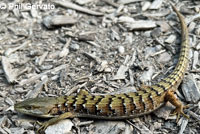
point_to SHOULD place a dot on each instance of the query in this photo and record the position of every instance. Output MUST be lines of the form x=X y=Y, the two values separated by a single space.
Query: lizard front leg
x=55 y=120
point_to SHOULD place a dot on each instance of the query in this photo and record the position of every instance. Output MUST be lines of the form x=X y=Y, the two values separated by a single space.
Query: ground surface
x=118 y=47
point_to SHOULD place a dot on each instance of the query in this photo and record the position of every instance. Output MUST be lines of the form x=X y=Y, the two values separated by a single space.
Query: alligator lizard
x=117 y=106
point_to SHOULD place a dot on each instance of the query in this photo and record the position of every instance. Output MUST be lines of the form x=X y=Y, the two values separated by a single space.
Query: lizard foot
x=179 y=111
x=177 y=103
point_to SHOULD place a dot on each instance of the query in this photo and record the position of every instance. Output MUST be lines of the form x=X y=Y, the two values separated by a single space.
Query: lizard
x=115 y=106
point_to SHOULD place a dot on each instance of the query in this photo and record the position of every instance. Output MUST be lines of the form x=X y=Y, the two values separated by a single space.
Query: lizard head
x=40 y=107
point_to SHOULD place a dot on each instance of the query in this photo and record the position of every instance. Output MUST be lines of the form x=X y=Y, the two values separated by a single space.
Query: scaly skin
x=118 y=106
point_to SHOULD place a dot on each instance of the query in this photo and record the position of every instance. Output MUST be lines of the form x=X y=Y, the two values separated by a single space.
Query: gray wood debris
x=10 y=73
x=83 y=2
x=192 y=18
x=125 y=19
x=141 y=25
x=11 y=50
x=156 y=4
x=38 y=88
x=124 y=67
x=109 y=127
x=65 y=49
x=195 y=60
x=197 y=31
x=58 y=20
x=128 y=1
x=121 y=72
x=41 y=58
x=157 y=14
x=68 y=4
x=190 y=89
x=36 y=77
x=183 y=126
x=191 y=26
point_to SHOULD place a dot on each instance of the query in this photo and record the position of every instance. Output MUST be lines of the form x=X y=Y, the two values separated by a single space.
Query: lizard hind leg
x=177 y=103
x=54 y=120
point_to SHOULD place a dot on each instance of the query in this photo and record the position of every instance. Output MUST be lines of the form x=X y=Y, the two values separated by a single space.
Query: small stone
x=17 y=130
x=62 y=127
x=34 y=13
x=198 y=47
x=74 y=47
x=147 y=75
x=157 y=125
x=164 y=57
x=197 y=31
x=121 y=49
x=164 y=112
x=164 y=26
x=26 y=125
x=108 y=70
x=170 y=39
x=93 y=22
x=128 y=38
x=146 y=5
x=196 y=9
x=156 y=32
x=149 y=51
x=158 y=47
x=191 y=26
x=168 y=125
x=147 y=34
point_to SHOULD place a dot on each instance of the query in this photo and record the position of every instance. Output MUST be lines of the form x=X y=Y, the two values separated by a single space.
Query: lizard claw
x=43 y=127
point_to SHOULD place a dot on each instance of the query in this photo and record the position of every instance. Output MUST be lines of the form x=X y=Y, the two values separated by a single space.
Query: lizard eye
x=28 y=107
